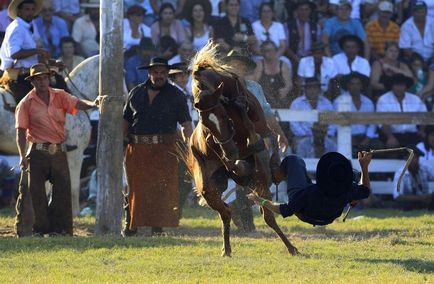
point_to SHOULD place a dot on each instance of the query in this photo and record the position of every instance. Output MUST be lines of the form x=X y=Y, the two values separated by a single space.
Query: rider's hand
x=364 y=159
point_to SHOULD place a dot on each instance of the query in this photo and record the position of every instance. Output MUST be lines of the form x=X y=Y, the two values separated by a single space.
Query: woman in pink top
x=167 y=25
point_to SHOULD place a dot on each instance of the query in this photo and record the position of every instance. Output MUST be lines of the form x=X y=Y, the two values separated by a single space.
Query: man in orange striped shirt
x=381 y=30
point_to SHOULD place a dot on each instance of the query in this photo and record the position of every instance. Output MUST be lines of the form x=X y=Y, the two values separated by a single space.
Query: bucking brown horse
x=228 y=140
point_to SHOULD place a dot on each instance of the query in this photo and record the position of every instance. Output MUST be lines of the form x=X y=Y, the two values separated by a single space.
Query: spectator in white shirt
x=427 y=145
x=85 y=30
x=349 y=60
x=134 y=29
x=417 y=33
x=399 y=100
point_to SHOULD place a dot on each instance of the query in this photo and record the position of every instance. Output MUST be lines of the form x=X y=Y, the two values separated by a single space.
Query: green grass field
x=373 y=246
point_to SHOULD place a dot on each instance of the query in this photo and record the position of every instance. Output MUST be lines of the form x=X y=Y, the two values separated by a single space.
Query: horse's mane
x=209 y=58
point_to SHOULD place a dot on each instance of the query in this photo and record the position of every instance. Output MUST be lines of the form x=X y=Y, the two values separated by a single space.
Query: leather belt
x=149 y=139
x=49 y=147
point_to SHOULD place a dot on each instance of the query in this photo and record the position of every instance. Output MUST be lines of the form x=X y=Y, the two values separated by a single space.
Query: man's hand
x=364 y=159
x=24 y=164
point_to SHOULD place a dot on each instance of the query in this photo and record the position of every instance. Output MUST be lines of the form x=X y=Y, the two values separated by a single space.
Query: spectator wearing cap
x=168 y=25
x=340 y=25
x=417 y=33
x=151 y=14
x=312 y=99
x=85 y=30
x=145 y=51
x=303 y=31
x=318 y=65
x=134 y=29
x=381 y=30
x=51 y=29
x=267 y=29
x=349 y=61
x=69 y=10
x=364 y=136
x=414 y=188
x=386 y=67
x=427 y=145
x=399 y=100
x=68 y=55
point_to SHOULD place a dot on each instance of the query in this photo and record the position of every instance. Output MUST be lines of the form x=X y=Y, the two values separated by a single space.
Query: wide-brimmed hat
x=38 y=69
x=352 y=37
x=347 y=78
x=156 y=61
x=241 y=56
x=334 y=174
x=180 y=67
x=398 y=79
x=12 y=8
x=311 y=4
x=91 y=4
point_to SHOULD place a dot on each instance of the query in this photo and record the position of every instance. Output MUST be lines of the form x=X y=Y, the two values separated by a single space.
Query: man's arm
x=275 y=207
x=85 y=104
x=364 y=160
x=187 y=130
x=24 y=53
x=21 y=143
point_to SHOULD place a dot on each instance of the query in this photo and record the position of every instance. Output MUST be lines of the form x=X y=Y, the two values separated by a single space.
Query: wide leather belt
x=49 y=147
x=150 y=139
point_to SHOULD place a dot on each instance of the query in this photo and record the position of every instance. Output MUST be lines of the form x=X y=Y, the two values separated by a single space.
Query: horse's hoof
x=293 y=250
x=226 y=254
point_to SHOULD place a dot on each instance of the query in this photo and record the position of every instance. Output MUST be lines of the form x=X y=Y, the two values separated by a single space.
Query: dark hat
x=38 y=69
x=299 y=3
x=13 y=6
x=318 y=45
x=419 y=5
x=398 y=79
x=347 y=78
x=241 y=56
x=334 y=174
x=349 y=37
x=310 y=81
x=146 y=43
x=136 y=9
x=179 y=67
x=156 y=61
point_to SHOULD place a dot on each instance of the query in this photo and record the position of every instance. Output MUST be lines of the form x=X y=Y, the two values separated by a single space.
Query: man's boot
x=126 y=231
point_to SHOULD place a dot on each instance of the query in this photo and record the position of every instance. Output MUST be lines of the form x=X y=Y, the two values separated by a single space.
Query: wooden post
x=110 y=137
x=344 y=131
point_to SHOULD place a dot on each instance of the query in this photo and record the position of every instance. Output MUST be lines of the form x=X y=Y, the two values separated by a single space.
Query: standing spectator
x=312 y=99
x=69 y=10
x=167 y=25
x=381 y=30
x=198 y=15
x=134 y=29
x=233 y=30
x=151 y=114
x=303 y=31
x=68 y=56
x=167 y=48
x=417 y=33
x=40 y=121
x=267 y=29
x=349 y=61
x=427 y=145
x=51 y=29
x=384 y=68
x=85 y=29
x=363 y=136
x=19 y=49
x=399 y=100
x=337 y=27
x=318 y=65
x=274 y=76
x=145 y=51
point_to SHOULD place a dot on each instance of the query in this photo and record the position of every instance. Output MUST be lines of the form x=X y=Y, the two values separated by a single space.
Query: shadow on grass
x=413 y=265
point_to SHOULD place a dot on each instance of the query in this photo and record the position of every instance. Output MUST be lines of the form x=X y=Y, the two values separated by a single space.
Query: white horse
x=83 y=82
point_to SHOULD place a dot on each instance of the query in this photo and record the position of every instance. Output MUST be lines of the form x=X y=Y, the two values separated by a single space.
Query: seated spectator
x=68 y=55
x=363 y=136
x=51 y=29
x=349 y=61
x=427 y=145
x=85 y=30
x=385 y=68
x=417 y=33
x=370 y=10
x=168 y=48
x=250 y=9
x=337 y=27
x=185 y=53
x=303 y=31
x=381 y=30
x=399 y=100
x=233 y=30
x=134 y=29
x=274 y=76
x=418 y=73
x=151 y=14
x=310 y=100
x=316 y=145
x=426 y=93
x=145 y=51
x=267 y=29
x=318 y=65
x=355 y=7
x=414 y=189
x=198 y=13
x=167 y=25
x=69 y=10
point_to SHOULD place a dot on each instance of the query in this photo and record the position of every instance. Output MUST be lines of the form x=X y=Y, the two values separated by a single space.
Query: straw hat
x=38 y=69
x=12 y=8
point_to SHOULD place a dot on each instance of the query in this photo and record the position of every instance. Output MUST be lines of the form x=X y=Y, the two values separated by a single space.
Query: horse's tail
x=184 y=154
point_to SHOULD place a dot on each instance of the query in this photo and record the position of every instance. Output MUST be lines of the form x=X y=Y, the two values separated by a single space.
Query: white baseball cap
x=385 y=6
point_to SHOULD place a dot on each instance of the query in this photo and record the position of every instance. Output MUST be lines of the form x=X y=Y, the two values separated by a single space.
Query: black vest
x=294 y=36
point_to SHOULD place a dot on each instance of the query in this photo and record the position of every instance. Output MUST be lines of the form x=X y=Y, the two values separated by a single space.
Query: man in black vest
x=323 y=202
